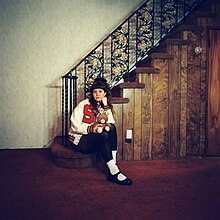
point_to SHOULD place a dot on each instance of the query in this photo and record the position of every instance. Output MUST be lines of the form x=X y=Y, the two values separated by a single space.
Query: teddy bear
x=102 y=118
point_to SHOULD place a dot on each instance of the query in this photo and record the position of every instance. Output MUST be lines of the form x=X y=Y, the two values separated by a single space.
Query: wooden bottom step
x=67 y=158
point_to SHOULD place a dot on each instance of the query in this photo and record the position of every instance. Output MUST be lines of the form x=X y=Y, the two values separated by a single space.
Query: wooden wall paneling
x=193 y=95
x=160 y=110
x=174 y=102
x=203 y=93
x=183 y=101
x=214 y=94
x=128 y=123
x=118 y=123
x=146 y=119
x=137 y=140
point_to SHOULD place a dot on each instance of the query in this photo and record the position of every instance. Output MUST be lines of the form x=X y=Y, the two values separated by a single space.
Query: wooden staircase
x=167 y=94
x=163 y=101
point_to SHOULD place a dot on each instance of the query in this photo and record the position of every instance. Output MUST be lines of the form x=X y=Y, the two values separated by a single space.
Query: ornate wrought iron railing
x=118 y=53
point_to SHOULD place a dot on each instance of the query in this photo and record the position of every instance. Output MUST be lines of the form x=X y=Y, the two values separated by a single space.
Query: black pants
x=104 y=143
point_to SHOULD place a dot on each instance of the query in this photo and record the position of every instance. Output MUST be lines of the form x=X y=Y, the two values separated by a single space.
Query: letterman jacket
x=82 y=118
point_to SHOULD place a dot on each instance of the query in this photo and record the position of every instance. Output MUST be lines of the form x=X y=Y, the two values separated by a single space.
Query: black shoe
x=114 y=179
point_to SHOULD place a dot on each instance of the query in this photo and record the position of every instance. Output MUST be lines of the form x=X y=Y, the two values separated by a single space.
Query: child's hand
x=95 y=126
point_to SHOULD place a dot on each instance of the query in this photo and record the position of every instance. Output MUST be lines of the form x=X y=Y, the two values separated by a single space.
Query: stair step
x=213 y=26
x=119 y=100
x=202 y=21
x=210 y=6
x=177 y=41
x=147 y=61
x=190 y=27
x=117 y=92
x=186 y=27
x=205 y=14
x=67 y=158
x=146 y=70
x=131 y=85
x=162 y=56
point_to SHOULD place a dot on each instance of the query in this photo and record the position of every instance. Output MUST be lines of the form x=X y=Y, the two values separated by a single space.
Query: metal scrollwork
x=169 y=16
x=93 y=66
x=144 y=29
x=131 y=41
x=120 y=57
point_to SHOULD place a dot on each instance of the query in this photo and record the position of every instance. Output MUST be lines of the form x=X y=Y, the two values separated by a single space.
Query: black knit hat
x=99 y=83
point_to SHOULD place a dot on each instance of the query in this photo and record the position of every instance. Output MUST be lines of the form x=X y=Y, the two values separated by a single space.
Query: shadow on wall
x=52 y=112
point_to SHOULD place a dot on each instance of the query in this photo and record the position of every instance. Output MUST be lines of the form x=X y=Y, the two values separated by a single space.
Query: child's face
x=98 y=94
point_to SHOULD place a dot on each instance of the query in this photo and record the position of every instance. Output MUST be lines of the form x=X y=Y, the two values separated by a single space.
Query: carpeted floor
x=33 y=188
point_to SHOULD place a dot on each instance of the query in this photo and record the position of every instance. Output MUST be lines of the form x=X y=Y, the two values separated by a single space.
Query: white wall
x=39 y=42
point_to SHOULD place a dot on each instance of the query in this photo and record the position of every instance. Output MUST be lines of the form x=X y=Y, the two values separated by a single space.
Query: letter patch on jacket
x=88 y=116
